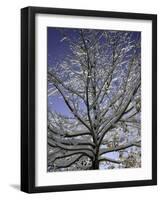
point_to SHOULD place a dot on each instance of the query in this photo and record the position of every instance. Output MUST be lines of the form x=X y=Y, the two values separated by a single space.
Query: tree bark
x=96 y=161
x=96 y=164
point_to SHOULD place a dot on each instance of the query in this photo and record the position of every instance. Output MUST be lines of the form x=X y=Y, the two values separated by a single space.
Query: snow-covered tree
x=99 y=81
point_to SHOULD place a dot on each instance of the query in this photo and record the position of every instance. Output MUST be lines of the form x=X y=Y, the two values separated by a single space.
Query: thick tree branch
x=69 y=134
x=54 y=157
x=87 y=88
x=68 y=163
x=121 y=147
x=71 y=147
x=105 y=159
x=71 y=141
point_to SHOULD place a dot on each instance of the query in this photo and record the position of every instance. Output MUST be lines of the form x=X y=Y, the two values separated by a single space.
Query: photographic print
x=93 y=100
x=88 y=99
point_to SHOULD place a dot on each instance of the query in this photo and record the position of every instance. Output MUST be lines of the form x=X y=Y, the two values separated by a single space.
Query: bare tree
x=99 y=80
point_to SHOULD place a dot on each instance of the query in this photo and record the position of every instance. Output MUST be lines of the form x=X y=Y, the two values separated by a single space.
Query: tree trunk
x=95 y=164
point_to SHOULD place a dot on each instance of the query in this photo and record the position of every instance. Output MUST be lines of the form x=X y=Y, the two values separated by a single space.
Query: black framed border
x=28 y=98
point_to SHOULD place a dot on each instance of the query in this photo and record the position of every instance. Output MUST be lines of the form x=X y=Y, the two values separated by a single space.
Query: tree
x=99 y=81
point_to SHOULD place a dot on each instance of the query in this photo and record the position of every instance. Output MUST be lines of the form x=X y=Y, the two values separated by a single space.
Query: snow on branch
x=121 y=147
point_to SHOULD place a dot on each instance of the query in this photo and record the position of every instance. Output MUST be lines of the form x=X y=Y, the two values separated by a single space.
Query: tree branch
x=119 y=113
x=72 y=110
x=70 y=134
x=109 y=160
x=54 y=157
x=121 y=147
x=51 y=75
x=68 y=163
x=71 y=141
x=88 y=149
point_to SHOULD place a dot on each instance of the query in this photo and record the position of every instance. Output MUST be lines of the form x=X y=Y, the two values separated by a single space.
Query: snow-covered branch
x=118 y=148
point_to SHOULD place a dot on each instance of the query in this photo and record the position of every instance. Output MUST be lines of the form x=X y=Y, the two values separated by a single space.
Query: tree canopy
x=99 y=82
